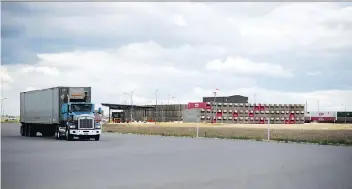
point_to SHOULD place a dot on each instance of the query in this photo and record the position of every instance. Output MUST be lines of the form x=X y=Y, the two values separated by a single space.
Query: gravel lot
x=130 y=161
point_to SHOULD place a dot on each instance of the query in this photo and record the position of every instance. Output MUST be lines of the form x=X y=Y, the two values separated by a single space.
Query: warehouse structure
x=227 y=109
x=160 y=112
x=123 y=112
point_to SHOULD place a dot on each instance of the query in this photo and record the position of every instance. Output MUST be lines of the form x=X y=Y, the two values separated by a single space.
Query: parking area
x=132 y=161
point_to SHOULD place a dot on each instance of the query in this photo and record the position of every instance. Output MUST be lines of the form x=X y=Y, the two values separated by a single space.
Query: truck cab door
x=64 y=111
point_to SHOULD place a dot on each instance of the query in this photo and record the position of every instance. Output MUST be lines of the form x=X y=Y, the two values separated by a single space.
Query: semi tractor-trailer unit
x=63 y=112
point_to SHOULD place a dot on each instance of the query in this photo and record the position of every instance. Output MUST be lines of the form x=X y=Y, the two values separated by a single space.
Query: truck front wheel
x=97 y=137
x=69 y=137
x=57 y=134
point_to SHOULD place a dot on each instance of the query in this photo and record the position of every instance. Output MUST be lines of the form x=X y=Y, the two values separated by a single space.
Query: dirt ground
x=310 y=132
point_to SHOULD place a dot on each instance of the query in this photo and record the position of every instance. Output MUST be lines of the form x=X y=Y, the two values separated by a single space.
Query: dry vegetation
x=316 y=133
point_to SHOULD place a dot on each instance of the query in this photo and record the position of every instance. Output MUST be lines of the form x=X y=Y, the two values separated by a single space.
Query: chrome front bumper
x=83 y=132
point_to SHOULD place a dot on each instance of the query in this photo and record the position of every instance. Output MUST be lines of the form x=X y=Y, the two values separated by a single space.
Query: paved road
x=127 y=161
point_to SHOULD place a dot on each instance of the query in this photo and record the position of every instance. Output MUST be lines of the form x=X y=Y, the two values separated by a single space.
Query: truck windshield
x=81 y=107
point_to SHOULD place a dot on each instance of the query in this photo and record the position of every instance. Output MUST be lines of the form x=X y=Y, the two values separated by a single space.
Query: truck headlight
x=97 y=125
x=72 y=126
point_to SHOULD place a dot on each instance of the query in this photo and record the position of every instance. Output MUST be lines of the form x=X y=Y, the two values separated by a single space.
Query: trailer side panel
x=40 y=106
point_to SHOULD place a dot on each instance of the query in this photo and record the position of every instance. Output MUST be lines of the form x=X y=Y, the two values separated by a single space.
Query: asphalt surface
x=131 y=161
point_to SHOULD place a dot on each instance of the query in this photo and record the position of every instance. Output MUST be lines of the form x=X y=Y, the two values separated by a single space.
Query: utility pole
x=156 y=104
x=179 y=109
x=131 y=109
x=345 y=113
x=131 y=105
x=2 y=113
x=255 y=98
x=214 y=112
x=168 y=99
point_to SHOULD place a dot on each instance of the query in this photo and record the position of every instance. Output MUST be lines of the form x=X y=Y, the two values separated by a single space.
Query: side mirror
x=99 y=110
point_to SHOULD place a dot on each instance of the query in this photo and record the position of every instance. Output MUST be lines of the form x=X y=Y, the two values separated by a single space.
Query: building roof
x=125 y=106
x=226 y=96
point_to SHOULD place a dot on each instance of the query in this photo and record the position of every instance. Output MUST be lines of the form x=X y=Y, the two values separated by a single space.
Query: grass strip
x=322 y=137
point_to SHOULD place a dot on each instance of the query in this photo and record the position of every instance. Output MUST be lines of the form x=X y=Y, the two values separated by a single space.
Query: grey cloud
x=212 y=31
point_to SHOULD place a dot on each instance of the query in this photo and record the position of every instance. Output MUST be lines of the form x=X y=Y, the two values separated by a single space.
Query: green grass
x=321 y=137
x=9 y=121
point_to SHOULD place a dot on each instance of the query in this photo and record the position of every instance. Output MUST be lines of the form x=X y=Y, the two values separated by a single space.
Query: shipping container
x=44 y=106
x=322 y=114
x=323 y=119
x=344 y=114
x=344 y=120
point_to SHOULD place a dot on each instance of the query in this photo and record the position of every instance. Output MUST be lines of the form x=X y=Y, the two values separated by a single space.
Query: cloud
x=186 y=49
x=327 y=100
x=239 y=65
x=314 y=73
x=5 y=77
x=52 y=71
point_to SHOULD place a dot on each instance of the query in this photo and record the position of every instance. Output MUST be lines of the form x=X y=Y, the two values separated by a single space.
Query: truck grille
x=86 y=124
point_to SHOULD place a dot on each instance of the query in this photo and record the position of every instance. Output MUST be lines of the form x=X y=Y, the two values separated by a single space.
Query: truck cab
x=79 y=121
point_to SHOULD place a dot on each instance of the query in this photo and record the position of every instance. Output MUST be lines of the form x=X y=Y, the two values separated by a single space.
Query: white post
x=268 y=129
x=198 y=127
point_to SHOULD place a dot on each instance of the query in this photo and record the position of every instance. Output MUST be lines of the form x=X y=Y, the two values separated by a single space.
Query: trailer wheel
x=26 y=129
x=32 y=131
x=22 y=130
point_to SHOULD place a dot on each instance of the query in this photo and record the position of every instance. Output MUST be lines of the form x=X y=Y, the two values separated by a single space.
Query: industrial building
x=227 y=99
x=160 y=113
x=246 y=113
x=229 y=109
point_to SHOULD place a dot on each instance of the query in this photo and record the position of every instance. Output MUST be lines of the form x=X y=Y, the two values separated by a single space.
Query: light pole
x=214 y=110
x=255 y=98
x=168 y=99
x=2 y=113
x=179 y=109
x=156 y=104
x=131 y=96
x=345 y=112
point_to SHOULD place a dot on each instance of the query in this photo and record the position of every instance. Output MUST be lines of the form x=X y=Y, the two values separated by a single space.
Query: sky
x=271 y=52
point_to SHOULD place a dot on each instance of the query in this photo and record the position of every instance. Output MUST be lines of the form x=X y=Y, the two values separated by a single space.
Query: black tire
x=26 y=130
x=69 y=137
x=97 y=137
x=32 y=131
x=22 y=130
x=57 y=137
